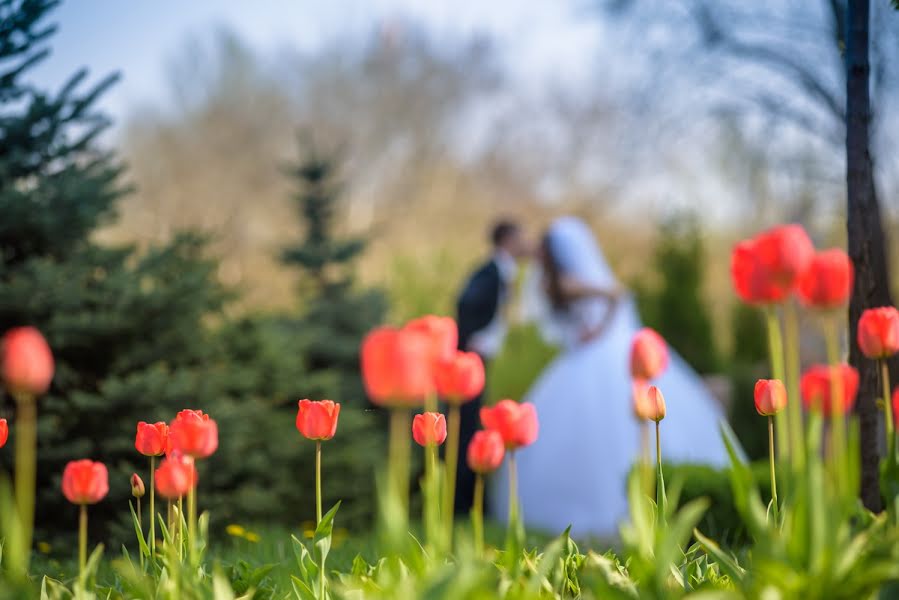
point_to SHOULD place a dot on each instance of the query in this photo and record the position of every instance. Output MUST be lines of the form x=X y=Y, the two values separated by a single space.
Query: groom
x=482 y=329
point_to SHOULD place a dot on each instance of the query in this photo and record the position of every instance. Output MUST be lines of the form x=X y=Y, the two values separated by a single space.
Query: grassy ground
x=249 y=547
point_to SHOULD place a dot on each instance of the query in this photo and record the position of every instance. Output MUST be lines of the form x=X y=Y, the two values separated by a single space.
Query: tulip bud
x=649 y=355
x=429 y=429
x=175 y=476
x=878 y=332
x=485 y=451
x=4 y=432
x=461 y=378
x=151 y=438
x=827 y=283
x=26 y=361
x=767 y=268
x=770 y=396
x=85 y=482
x=137 y=486
x=194 y=434
x=817 y=386
x=655 y=404
x=515 y=422
x=396 y=366
x=442 y=334
x=317 y=420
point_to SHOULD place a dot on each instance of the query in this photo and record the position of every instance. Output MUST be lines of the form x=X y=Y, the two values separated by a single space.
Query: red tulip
x=649 y=354
x=151 y=438
x=485 y=451
x=175 y=477
x=4 y=432
x=770 y=396
x=137 y=486
x=461 y=378
x=655 y=404
x=878 y=332
x=396 y=366
x=827 y=282
x=429 y=429
x=643 y=409
x=515 y=422
x=194 y=434
x=816 y=387
x=442 y=333
x=766 y=268
x=85 y=481
x=896 y=405
x=317 y=420
x=26 y=360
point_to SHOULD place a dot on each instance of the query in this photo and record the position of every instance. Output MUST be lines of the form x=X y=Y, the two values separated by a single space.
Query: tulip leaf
x=142 y=542
x=727 y=564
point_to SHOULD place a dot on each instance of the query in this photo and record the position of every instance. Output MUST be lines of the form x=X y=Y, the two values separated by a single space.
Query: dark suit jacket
x=479 y=301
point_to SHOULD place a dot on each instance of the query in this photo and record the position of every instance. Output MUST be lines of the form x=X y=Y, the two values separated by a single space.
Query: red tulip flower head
x=461 y=378
x=654 y=404
x=151 y=438
x=485 y=451
x=827 y=282
x=770 y=396
x=816 y=388
x=515 y=422
x=194 y=434
x=4 y=432
x=442 y=334
x=317 y=420
x=26 y=361
x=137 y=486
x=397 y=367
x=649 y=354
x=645 y=408
x=429 y=429
x=175 y=477
x=85 y=482
x=767 y=268
x=896 y=404
x=878 y=332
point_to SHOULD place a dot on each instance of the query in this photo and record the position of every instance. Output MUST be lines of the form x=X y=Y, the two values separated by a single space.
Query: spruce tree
x=126 y=328
x=336 y=314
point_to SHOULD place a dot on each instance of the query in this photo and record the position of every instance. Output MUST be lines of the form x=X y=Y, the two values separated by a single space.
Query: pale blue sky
x=547 y=37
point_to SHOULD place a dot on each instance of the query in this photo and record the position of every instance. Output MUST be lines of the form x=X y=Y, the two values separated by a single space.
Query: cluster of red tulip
x=768 y=271
x=410 y=367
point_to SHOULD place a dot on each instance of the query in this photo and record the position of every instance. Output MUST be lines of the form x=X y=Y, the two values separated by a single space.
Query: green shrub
x=721 y=521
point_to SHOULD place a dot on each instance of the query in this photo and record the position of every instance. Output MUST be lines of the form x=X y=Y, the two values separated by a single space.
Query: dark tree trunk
x=866 y=239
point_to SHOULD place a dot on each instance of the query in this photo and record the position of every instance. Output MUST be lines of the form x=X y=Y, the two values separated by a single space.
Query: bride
x=575 y=473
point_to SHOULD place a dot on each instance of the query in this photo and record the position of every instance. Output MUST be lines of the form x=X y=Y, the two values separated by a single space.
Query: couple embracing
x=575 y=473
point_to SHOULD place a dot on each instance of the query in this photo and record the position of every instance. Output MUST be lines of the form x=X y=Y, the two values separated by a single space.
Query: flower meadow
x=811 y=538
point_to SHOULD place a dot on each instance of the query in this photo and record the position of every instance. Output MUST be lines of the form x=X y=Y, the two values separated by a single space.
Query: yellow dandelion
x=235 y=530
x=44 y=547
x=252 y=537
x=308 y=533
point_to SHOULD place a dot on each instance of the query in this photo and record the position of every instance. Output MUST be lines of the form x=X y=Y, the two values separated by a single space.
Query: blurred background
x=208 y=204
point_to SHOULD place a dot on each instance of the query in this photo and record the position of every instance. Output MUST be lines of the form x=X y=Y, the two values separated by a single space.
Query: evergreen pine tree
x=335 y=313
x=126 y=328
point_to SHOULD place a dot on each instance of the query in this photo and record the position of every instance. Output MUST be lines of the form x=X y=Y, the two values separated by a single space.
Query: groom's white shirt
x=489 y=341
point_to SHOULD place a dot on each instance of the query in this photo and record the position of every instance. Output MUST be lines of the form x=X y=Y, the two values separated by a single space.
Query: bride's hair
x=552 y=274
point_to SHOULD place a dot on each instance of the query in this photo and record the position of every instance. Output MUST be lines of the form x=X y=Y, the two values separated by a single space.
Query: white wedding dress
x=575 y=473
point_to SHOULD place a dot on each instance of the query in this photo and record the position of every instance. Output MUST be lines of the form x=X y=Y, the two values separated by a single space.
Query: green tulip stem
x=794 y=410
x=82 y=539
x=25 y=477
x=776 y=356
x=452 y=461
x=318 y=482
x=888 y=407
x=774 y=506
x=152 y=506
x=477 y=515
